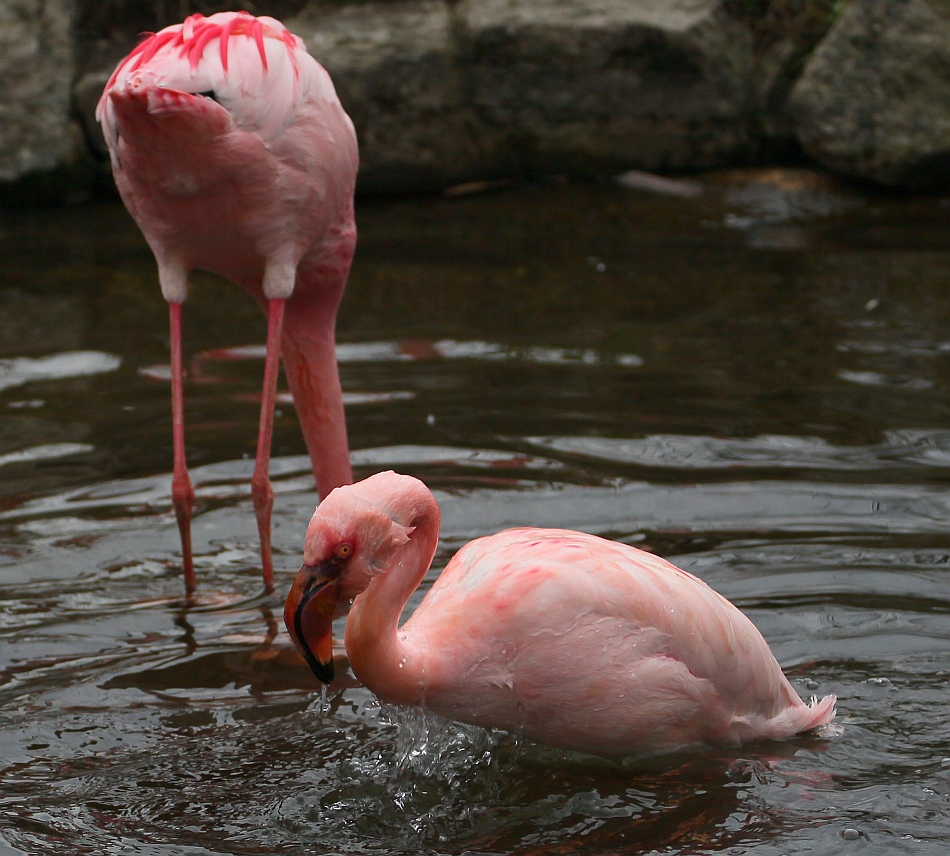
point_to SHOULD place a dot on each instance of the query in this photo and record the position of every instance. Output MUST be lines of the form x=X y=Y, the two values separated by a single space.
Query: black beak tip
x=323 y=672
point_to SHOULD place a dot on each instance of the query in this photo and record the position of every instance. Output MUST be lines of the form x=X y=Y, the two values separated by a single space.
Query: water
x=754 y=383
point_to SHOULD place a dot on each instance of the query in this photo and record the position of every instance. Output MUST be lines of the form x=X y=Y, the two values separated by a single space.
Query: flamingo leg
x=262 y=491
x=183 y=494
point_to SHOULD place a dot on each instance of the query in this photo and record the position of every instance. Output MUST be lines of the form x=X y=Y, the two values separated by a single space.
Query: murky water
x=754 y=383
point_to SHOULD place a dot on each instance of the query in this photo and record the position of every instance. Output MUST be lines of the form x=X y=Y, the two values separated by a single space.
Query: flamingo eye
x=344 y=550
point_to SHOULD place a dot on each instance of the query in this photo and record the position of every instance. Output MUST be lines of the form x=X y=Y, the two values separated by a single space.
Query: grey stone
x=874 y=99
x=395 y=69
x=444 y=93
x=609 y=83
x=86 y=94
x=37 y=132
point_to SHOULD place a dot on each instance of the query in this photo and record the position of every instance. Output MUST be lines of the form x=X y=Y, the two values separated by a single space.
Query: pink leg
x=183 y=495
x=261 y=489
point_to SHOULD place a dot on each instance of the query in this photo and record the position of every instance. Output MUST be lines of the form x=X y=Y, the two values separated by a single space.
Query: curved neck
x=381 y=657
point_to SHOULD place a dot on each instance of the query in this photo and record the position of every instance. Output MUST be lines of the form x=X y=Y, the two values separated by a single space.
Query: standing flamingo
x=567 y=638
x=233 y=154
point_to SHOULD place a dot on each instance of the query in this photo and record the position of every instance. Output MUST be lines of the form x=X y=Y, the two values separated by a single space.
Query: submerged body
x=233 y=154
x=567 y=638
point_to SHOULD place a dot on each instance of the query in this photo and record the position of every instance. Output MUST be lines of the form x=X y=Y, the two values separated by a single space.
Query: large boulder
x=395 y=69
x=37 y=132
x=443 y=92
x=874 y=99
x=609 y=83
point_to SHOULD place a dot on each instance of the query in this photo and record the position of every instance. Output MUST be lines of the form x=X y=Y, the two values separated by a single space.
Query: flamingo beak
x=308 y=615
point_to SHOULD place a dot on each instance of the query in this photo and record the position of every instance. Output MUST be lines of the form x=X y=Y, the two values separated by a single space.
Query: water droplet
x=850 y=834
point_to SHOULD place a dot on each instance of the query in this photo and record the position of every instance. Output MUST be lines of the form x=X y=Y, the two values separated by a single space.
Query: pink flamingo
x=567 y=638
x=233 y=154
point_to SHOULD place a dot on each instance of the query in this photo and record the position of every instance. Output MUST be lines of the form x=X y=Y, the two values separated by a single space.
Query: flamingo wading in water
x=233 y=154
x=570 y=639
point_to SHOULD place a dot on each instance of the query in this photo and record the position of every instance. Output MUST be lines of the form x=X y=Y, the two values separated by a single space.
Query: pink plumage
x=232 y=152
x=570 y=639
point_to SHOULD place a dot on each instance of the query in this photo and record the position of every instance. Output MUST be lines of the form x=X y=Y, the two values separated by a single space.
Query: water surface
x=752 y=382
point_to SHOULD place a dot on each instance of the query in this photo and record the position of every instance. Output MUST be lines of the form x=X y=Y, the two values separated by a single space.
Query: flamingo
x=233 y=154
x=572 y=640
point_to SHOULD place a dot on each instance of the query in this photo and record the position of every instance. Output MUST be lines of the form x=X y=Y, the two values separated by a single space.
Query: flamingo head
x=352 y=538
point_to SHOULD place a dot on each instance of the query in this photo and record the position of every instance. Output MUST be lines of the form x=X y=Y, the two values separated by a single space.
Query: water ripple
x=23 y=370
x=898 y=449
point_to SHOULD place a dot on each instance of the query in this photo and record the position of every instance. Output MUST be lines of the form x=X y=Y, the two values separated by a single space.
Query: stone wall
x=446 y=91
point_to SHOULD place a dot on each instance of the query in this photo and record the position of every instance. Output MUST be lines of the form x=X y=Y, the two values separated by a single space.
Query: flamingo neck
x=385 y=659
x=309 y=353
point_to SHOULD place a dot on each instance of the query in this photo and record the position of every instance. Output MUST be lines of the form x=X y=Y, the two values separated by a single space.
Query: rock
x=86 y=94
x=874 y=99
x=37 y=132
x=446 y=93
x=395 y=69
x=599 y=85
x=784 y=33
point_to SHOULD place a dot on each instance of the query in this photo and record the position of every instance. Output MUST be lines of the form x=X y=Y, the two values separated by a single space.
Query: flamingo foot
x=183 y=497
x=262 y=492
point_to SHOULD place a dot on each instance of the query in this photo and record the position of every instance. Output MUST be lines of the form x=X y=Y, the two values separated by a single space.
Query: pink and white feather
x=255 y=67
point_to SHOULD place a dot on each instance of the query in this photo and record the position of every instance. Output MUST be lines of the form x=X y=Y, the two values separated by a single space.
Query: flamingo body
x=233 y=154
x=567 y=638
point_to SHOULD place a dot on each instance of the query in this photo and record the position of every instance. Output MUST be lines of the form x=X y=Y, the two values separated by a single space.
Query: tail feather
x=822 y=712
x=801 y=718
